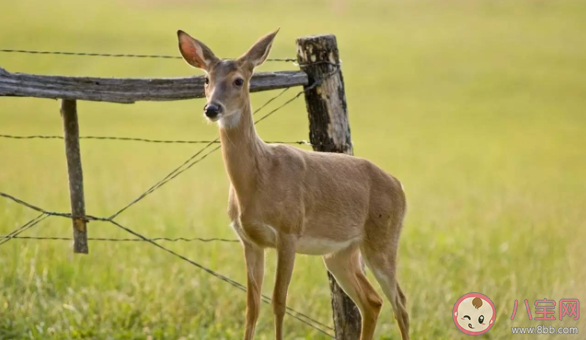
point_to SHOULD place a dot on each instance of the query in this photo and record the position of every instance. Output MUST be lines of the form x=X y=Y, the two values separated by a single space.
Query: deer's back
x=324 y=192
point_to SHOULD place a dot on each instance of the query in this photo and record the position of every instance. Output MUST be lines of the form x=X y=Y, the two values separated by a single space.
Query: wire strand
x=117 y=55
x=14 y=234
x=105 y=239
x=46 y=214
x=50 y=213
x=186 y=165
x=145 y=140
x=291 y=312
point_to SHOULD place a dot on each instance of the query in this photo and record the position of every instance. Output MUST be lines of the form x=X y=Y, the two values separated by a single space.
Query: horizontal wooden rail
x=129 y=90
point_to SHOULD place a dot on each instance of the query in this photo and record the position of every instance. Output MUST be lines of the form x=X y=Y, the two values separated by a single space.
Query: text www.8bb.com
x=544 y=330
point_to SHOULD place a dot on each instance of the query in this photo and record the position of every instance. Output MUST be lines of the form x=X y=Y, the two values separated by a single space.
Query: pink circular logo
x=474 y=314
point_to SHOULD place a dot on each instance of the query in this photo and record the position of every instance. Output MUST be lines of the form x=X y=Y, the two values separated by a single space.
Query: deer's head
x=227 y=80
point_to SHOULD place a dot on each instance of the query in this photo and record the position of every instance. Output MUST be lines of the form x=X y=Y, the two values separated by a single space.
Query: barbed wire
x=306 y=89
x=137 y=139
x=190 y=162
x=111 y=239
x=50 y=213
x=284 y=104
x=187 y=165
x=117 y=55
x=27 y=225
x=45 y=213
x=172 y=175
x=271 y=100
x=290 y=311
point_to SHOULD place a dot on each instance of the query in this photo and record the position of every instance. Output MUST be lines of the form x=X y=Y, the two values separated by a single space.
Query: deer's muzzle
x=212 y=110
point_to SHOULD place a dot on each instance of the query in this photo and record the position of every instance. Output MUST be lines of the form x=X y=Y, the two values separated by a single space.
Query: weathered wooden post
x=72 y=153
x=329 y=131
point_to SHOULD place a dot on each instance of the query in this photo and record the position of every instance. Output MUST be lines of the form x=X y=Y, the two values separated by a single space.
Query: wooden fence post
x=329 y=131
x=72 y=152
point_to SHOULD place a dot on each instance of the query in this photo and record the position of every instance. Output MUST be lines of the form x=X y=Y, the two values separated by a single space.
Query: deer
x=287 y=198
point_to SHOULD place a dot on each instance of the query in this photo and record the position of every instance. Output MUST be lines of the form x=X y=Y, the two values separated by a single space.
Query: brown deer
x=289 y=199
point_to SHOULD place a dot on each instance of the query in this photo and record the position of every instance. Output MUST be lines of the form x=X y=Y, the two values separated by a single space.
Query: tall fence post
x=329 y=131
x=72 y=153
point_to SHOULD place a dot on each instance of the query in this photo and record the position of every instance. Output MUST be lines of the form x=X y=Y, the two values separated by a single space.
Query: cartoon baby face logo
x=474 y=314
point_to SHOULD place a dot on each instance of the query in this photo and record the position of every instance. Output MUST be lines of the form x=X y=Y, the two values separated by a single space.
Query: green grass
x=477 y=106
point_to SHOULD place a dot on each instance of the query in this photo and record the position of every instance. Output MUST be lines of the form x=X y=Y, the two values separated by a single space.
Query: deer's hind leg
x=346 y=268
x=383 y=263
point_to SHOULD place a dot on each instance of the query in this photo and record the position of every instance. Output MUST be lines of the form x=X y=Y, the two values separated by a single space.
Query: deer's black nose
x=212 y=110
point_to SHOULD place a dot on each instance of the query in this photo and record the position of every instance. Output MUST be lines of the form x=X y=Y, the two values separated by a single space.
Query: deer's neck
x=244 y=153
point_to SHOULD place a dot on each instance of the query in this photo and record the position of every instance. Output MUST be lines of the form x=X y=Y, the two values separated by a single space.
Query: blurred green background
x=477 y=106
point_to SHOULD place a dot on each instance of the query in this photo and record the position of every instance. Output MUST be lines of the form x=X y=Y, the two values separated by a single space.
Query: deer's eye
x=238 y=81
x=207 y=81
x=481 y=319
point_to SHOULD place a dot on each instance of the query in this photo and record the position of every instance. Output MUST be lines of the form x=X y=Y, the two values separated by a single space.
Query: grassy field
x=479 y=107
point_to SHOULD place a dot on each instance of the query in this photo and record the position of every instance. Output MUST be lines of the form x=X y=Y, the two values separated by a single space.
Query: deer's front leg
x=255 y=261
x=285 y=264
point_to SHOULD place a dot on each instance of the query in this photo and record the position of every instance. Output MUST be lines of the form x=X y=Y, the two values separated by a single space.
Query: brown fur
x=335 y=205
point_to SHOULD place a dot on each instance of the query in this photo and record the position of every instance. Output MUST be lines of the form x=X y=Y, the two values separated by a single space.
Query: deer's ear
x=195 y=53
x=259 y=52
